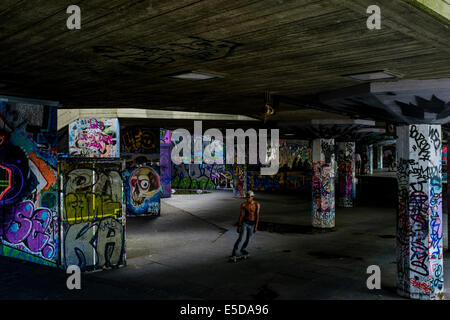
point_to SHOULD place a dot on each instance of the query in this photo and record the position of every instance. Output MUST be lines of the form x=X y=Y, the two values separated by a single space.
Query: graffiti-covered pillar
x=346 y=173
x=380 y=157
x=370 y=160
x=323 y=204
x=419 y=224
x=165 y=163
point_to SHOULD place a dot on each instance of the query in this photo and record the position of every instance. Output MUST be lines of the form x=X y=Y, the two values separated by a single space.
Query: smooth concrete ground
x=183 y=255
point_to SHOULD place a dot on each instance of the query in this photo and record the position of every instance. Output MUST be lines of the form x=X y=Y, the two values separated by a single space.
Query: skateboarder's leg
x=238 y=242
x=248 y=238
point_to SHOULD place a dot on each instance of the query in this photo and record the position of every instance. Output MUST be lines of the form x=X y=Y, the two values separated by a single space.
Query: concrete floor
x=183 y=255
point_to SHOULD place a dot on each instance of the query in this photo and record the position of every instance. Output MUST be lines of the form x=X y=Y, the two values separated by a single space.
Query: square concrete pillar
x=346 y=173
x=380 y=157
x=419 y=221
x=324 y=172
x=370 y=159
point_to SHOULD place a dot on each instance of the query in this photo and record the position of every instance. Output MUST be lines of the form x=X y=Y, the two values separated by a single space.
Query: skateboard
x=238 y=258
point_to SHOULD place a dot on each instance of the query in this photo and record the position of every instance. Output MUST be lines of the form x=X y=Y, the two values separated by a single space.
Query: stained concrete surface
x=183 y=255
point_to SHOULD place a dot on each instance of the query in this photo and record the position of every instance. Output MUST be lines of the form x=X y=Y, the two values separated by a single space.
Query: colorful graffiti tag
x=28 y=190
x=96 y=138
x=93 y=215
x=165 y=163
x=419 y=224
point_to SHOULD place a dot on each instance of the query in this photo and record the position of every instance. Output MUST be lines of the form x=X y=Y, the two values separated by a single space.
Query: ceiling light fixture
x=372 y=75
x=194 y=76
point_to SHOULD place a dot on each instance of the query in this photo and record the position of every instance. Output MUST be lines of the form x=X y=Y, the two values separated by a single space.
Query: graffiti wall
x=141 y=151
x=96 y=138
x=93 y=214
x=139 y=140
x=419 y=225
x=346 y=173
x=258 y=182
x=165 y=163
x=28 y=183
x=323 y=203
x=202 y=176
x=295 y=153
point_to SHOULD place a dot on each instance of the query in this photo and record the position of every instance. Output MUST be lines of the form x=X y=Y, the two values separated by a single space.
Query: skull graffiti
x=144 y=183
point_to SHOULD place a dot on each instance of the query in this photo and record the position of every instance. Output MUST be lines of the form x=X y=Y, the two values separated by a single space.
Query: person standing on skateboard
x=248 y=222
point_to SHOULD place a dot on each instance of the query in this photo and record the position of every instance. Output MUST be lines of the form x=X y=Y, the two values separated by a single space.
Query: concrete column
x=370 y=159
x=324 y=171
x=380 y=157
x=346 y=173
x=419 y=225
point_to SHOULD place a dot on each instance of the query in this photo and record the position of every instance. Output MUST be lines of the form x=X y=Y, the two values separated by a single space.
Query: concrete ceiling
x=293 y=48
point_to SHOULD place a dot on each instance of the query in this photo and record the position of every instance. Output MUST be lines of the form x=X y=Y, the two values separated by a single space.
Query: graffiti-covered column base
x=419 y=226
x=93 y=213
x=346 y=174
x=323 y=203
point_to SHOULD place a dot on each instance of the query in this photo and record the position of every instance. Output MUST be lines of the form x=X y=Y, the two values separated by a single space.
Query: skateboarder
x=248 y=223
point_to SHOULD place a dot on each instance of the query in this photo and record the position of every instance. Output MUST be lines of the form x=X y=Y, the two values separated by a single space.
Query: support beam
x=324 y=172
x=419 y=226
x=346 y=173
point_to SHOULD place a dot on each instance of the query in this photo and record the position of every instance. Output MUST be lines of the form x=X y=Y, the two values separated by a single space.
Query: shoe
x=244 y=252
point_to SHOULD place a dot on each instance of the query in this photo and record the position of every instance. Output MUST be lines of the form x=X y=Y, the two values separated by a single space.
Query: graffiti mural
x=294 y=153
x=28 y=189
x=165 y=163
x=419 y=224
x=202 y=176
x=93 y=215
x=292 y=180
x=140 y=140
x=142 y=186
x=323 y=205
x=258 y=182
x=239 y=180
x=96 y=138
x=346 y=173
